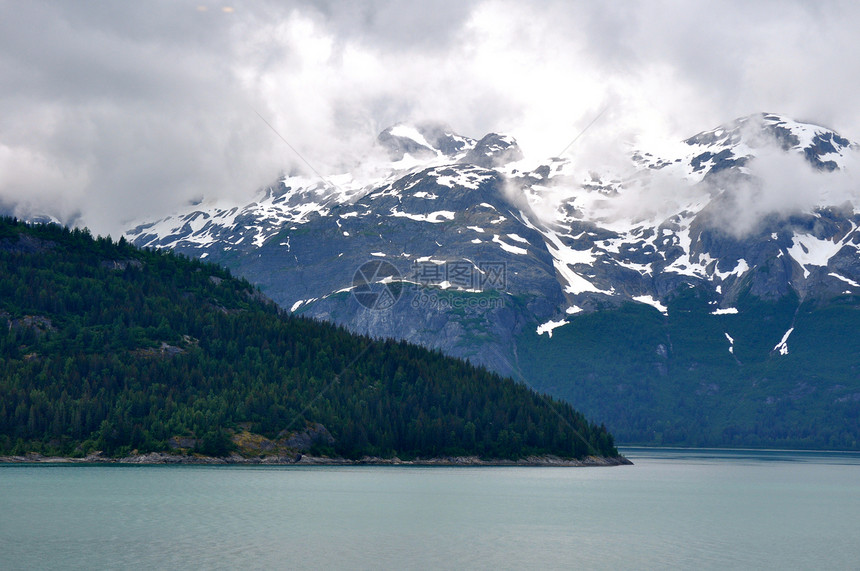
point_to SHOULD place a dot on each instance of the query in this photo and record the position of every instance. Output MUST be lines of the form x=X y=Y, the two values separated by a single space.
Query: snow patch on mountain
x=648 y=300
x=844 y=279
x=432 y=217
x=782 y=346
x=549 y=326
x=725 y=311
x=731 y=343
x=508 y=247
x=409 y=132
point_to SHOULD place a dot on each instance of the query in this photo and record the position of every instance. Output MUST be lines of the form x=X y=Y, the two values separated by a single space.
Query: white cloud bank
x=119 y=111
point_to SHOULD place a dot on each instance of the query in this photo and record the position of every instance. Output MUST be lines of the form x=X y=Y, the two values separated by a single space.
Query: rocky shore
x=155 y=458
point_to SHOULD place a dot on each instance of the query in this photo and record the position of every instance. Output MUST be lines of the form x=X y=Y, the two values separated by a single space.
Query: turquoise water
x=674 y=508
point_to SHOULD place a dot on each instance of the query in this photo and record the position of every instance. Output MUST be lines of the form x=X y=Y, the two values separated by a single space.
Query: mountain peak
x=432 y=140
x=493 y=150
x=822 y=146
x=423 y=141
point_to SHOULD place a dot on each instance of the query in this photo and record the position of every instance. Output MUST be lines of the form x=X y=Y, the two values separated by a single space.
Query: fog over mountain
x=117 y=112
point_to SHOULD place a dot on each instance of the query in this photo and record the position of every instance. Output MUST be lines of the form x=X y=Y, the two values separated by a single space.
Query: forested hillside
x=104 y=346
x=696 y=378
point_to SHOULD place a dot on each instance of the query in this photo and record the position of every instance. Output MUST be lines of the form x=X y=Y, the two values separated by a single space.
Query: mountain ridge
x=732 y=213
x=573 y=236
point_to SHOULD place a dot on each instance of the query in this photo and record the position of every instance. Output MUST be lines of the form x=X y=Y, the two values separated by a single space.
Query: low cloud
x=779 y=184
x=607 y=186
x=122 y=111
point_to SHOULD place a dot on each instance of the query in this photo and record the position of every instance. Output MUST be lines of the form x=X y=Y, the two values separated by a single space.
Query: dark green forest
x=672 y=381
x=106 y=347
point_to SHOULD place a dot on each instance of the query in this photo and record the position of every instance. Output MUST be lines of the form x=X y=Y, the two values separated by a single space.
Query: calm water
x=676 y=509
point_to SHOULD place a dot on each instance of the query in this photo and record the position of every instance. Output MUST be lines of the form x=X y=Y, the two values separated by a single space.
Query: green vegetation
x=107 y=347
x=672 y=381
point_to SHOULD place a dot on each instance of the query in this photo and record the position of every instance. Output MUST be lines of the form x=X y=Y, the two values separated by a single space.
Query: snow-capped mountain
x=497 y=255
x=602 y=241
x=610 y=244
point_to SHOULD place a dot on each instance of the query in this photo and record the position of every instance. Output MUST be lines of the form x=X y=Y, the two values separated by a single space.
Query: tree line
x=104 y=346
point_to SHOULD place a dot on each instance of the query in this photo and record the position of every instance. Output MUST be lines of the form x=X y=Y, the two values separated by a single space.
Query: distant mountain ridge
x=704 y=215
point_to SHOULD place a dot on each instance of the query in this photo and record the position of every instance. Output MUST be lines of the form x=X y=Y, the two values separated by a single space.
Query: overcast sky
x=112 y=112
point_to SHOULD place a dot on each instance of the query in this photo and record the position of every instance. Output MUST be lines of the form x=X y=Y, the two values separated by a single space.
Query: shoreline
x=162 y=458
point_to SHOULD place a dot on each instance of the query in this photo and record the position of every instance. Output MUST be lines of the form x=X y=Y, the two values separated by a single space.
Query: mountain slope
x=108 y=347
x=520 y=266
